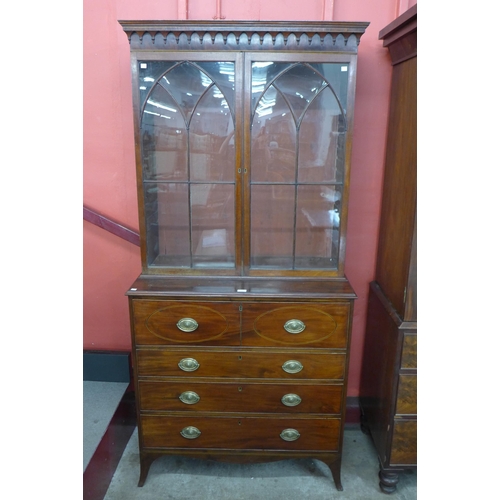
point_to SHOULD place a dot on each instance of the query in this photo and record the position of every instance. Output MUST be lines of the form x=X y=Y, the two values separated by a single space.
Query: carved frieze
x=225 y=35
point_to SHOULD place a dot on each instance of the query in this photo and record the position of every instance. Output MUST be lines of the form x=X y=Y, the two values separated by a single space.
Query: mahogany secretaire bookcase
x=241 y=317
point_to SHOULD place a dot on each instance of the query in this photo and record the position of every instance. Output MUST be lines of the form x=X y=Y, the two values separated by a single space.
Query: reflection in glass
x=272 y=226
x=297 y=164
x=262 y=74
x=321 y=139
x=318 y=222
x=299 y=85
x=164 y=138
x=222 y=73
x=149 y=72
x=212 y=207
x=167 y=219
x=187 y=132
x=211 y=139
x=273 y=140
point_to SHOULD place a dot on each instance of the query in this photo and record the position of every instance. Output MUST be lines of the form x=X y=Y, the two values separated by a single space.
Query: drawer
x=409 y=355
x=240 y=364
x=296 y=324
x=157 y=322
x=404 y=443
x=240 y=396
x=406 y=403
x=240 y=432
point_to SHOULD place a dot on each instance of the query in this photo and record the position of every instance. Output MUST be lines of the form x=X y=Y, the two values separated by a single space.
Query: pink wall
x=111 y=264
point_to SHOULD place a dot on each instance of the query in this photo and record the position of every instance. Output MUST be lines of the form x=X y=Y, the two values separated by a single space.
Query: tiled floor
x=109 y=477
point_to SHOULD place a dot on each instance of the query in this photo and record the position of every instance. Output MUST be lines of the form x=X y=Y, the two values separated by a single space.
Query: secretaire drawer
x=170 y=322
x=240 y=432
x=292 y=365
x=295 y=324
x=239 y=396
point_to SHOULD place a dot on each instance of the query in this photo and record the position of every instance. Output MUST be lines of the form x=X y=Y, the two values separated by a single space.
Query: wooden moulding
x=250 y=35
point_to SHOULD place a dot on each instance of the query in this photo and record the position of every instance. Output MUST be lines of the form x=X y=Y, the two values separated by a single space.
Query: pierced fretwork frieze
x=225 y=36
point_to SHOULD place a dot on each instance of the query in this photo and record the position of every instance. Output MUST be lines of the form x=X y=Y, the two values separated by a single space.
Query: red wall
x=111 y=264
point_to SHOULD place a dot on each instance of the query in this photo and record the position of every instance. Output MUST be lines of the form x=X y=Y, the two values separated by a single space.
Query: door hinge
x=241 y=308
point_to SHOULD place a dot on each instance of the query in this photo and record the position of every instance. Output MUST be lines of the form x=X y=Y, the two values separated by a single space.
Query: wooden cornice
x=400 y=36
x=244 y=35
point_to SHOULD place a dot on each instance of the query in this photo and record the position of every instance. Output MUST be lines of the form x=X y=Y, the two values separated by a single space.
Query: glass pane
x=186 y=83
x=318 y=220
x=167 y=224
x=149 y=72
x=272 y=222
x=164 y=138
x=264 y=73
x=337 y=75
x=273 y=140
x=223 y=75
x=213 y=225
x=321 y=140
x=211 y=139
x=299 y=85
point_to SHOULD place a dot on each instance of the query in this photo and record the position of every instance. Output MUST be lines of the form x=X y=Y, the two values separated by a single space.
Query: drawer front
x=191 y=396
x=240 y=432
x=407 y=395
x=158 y=322
x=404 y=443
x=409 y=355
x=318 y=325
x=239 y=364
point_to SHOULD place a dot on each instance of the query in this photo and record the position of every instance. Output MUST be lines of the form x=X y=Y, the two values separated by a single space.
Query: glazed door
x=189 y=130
x=296 y=146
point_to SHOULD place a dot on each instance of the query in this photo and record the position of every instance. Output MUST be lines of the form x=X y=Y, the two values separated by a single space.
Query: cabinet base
x=332 y=461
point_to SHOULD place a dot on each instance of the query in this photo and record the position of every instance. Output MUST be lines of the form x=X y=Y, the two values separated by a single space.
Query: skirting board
x=106 y=366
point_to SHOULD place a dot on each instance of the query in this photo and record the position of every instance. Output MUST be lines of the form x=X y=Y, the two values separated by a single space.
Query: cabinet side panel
x=399 y=192
x=378 y=378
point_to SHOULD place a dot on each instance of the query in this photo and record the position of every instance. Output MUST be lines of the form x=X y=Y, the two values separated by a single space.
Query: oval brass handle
x=292 y=366
x=294 y=326
x=291 y=400
x=188 y=364
x=289 y=435
x=187 y=325
x=190 y=432
x=189 y=397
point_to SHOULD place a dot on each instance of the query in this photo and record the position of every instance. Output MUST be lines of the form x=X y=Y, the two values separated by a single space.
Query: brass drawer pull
x=290 y=435
x=292 y=366
x=190 y=432
x=187 y=325
x=188 y=364
x=189 y=397
x=294 y=326
x=291 y=400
